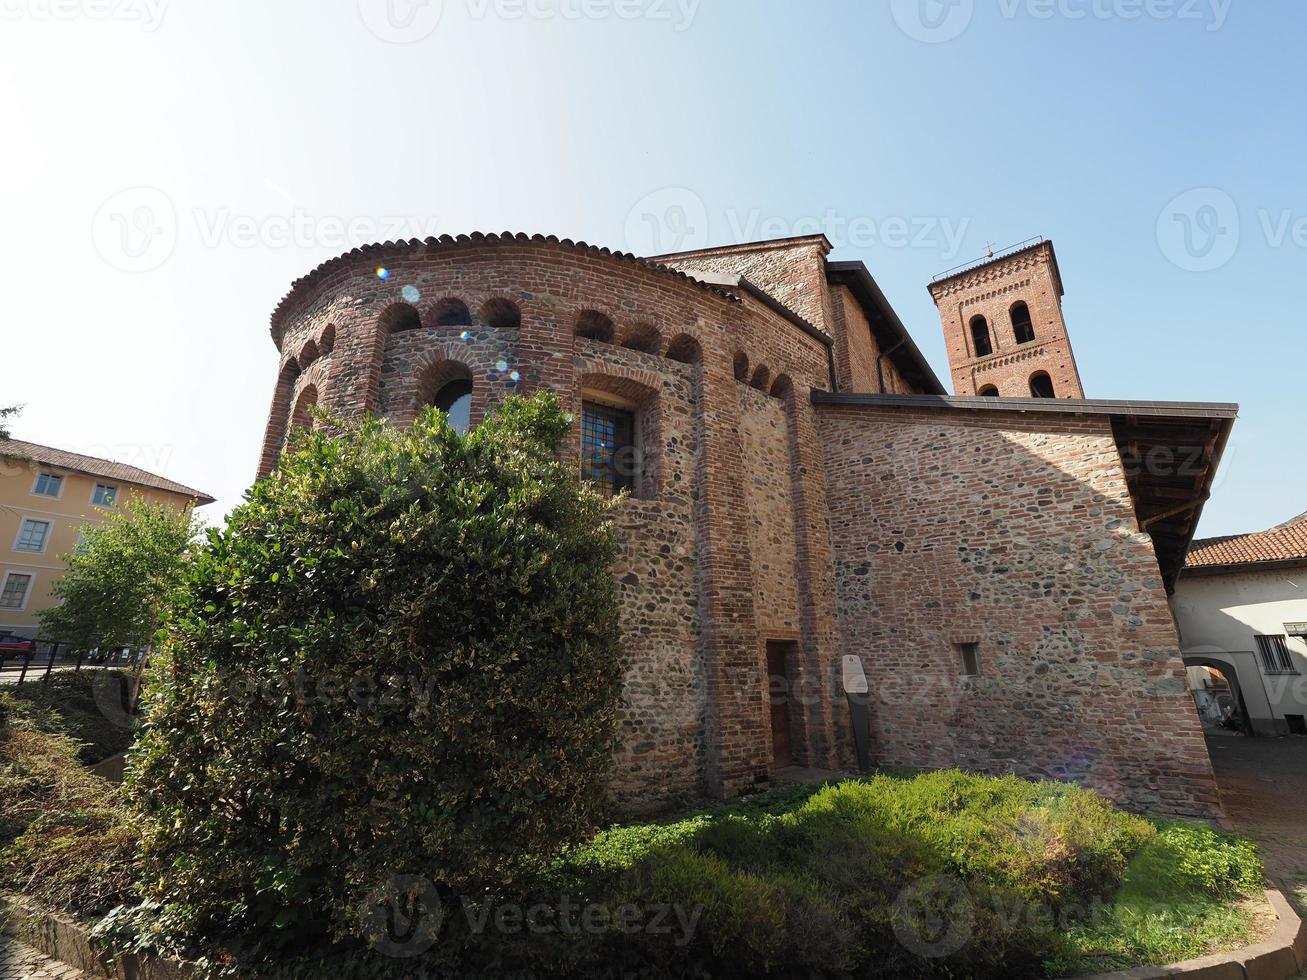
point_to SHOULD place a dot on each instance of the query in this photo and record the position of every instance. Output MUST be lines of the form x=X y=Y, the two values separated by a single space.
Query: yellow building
x=46 y=496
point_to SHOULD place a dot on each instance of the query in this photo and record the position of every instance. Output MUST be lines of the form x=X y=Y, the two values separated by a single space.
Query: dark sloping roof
x=891 y=335
x=378 y=252
x=1292 y=522
x=94 y=466
x=1286 y=543
x=1170 y=452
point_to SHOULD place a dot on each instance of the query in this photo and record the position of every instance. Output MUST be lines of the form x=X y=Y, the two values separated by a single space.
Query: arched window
x=455 y=400
x=989 y=391
x=451 y=312
x=400 y=316
x=308 y=354
x=685 y=349
x=1041 y=385
x=1022 y=328
x=742 y=367
x=980 y=336
x=761 y=377
x=643 y=337
x=327 y=342
x=301 y=417
x=593 y=325
x=502 y=314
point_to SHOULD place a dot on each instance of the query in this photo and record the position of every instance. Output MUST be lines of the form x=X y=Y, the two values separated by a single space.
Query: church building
x=798 y=488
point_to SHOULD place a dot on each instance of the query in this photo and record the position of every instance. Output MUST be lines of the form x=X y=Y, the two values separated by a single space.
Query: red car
x=13 y=646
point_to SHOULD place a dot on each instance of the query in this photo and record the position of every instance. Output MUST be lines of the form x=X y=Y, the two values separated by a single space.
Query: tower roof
x=998 y=258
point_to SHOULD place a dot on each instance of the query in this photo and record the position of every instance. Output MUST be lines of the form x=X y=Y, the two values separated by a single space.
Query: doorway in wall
x=780 y=655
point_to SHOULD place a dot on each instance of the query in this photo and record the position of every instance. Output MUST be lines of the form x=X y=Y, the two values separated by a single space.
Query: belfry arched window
x=980 y=336
x=1041 y=385
x=989 y=391
x=1022 y=327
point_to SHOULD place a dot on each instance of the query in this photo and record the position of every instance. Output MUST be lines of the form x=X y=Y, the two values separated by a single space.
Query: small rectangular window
x=105 y=495
x=1297 y=724
x=14 y=593
x=1275 y=655
x=33 y=535
x=969 y=659
x=48 y=485
x=608 y=454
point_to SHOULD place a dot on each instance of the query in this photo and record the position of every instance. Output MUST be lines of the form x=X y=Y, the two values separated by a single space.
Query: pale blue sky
x=258 y=139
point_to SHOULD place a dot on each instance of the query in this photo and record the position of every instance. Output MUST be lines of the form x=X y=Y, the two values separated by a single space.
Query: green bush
x=68 y=704
x=400 y=657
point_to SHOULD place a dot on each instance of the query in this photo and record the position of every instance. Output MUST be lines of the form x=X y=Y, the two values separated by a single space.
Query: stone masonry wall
x=953 y=527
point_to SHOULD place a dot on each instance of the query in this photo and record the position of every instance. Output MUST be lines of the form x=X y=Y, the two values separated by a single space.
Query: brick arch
x=327 y=340
x=741 y=366
x=308 y=354
x=685 y=348
x=274 y=435
x=782 y=387
x=448 y=312
x=398 y=317
x=501 y=313
x=761 y=378
x=641 y=336
x=592 y=324
x=301 y=415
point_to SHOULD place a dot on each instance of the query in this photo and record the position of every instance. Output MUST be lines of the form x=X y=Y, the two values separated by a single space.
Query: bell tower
x=1003 y=326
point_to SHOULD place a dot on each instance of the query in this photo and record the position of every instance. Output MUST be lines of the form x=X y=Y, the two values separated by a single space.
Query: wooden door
x=778 y=692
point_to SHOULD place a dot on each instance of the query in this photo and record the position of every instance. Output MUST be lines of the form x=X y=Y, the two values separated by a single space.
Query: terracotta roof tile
x=1288 y=542
x=94 y=466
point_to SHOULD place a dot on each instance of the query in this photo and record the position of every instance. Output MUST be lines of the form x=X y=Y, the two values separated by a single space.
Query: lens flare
x=465 y=335
x=382 y=272
x=515 y=377
x=501 y=365
x=410 y=294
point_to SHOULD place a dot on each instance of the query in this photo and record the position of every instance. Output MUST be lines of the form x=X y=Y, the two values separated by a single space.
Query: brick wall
x=954 y=527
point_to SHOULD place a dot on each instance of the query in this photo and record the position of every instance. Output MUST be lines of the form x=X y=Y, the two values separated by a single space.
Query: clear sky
x=170 y=166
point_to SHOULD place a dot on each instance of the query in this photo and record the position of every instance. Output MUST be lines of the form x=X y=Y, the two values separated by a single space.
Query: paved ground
x=1263 y=784
x=19 y=962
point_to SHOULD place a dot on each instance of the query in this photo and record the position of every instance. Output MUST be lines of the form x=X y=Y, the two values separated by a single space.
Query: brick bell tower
x=1003 y=325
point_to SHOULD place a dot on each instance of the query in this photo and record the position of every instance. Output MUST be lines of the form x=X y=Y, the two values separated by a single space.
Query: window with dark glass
x=980 y=336
x=455 y=400
x=48 y=485
x=608 y=454
x=1022 y=327
x=1275 y=655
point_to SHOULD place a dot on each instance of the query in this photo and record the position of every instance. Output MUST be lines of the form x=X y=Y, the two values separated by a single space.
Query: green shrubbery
x=400 y=657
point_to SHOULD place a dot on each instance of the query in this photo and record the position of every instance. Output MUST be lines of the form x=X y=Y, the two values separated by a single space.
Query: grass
x=65 y=837
x=67 y=703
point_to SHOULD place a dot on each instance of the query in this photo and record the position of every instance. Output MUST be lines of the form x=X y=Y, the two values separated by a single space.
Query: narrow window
x=980 y=336
x=989 y=391
x=455 y=400
x=1022 y=328
x=105 y=495
x=48 y=485
x=1041 y=385
x=1275 y=655
x=34 y=535
x=608 y=452
x=14 y=593
x=1297 y=724
x=969 y=659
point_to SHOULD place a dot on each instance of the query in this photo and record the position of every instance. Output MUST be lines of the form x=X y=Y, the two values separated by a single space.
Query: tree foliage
x=120 y=578
x=7 y=412
x=400 y=657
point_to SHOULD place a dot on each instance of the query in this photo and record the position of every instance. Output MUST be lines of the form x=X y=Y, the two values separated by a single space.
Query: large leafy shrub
x=400 y=657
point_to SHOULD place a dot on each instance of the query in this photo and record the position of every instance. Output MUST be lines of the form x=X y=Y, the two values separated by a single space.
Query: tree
x=6 y=413
x=120 y=579
x=399 y=658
